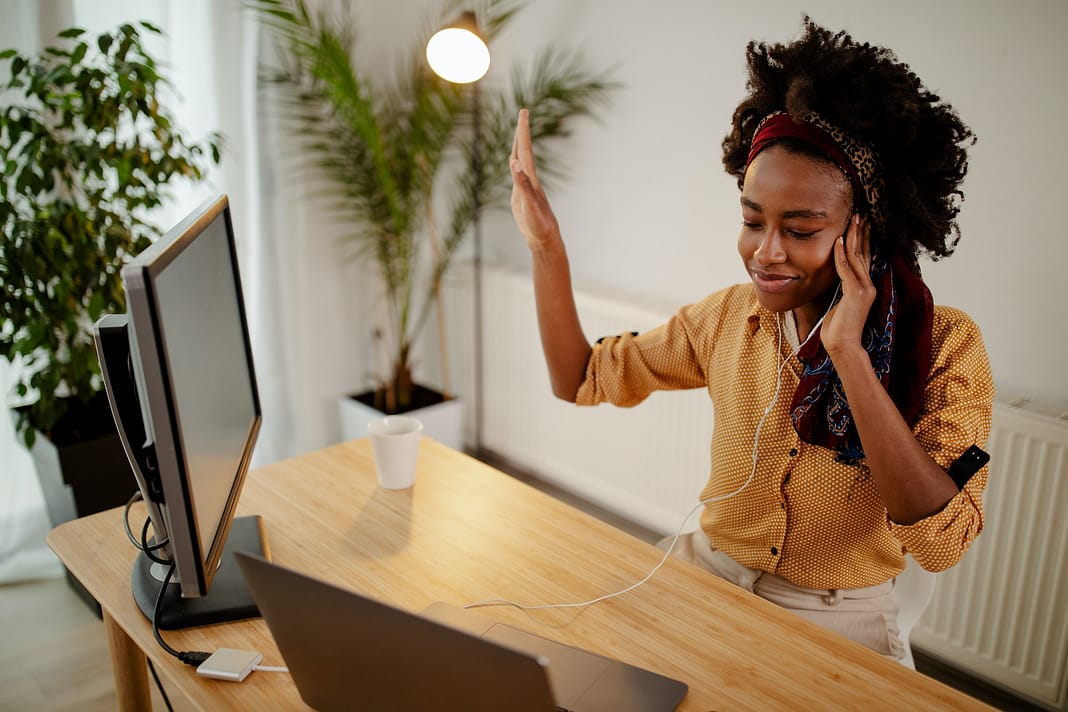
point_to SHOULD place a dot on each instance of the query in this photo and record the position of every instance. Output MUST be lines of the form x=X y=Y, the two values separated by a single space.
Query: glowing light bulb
x=458 y=55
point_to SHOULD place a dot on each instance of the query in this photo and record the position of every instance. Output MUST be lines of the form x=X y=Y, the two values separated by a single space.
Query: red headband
x=781 y=125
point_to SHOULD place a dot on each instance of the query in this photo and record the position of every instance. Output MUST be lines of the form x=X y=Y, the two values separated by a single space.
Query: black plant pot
x=422 y=397
x=83 y=469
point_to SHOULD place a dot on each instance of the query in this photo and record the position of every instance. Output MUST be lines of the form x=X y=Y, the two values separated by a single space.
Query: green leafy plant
x=86 y=151
x=382 y=147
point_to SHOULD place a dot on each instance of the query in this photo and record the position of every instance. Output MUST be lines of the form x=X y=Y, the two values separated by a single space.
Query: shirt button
x=774 y=551
x=793 y=452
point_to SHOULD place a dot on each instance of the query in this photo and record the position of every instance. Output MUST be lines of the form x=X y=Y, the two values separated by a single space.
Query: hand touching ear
x=844 y=325
x=530 y=207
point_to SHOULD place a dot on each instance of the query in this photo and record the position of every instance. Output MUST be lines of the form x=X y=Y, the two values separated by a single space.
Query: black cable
x=143 y=545
x=150 y=549
x=126 y=517
x=156 y=611
x=159 y=685
x=189 y=657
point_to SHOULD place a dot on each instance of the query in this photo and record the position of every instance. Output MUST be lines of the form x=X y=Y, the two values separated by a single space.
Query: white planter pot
x=442 y=421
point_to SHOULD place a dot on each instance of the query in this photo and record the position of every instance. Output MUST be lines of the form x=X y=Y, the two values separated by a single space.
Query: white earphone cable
x=702 y=503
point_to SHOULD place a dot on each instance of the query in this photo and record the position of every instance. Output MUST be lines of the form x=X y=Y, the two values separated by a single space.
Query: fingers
x=852 y=254
x=860 y=254
x=530 y=207
x=522 y=187
x=523 y=178
x=844 y=323
x=523 y=150
x=525 y=185
x=522 y=119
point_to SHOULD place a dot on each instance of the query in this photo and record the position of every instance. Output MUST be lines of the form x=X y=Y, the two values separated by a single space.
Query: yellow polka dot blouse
x=816 y=522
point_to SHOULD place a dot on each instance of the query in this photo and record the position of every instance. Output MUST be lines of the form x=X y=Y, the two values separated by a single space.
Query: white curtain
x=302 y=304
x=298 y=298
x=308 y=340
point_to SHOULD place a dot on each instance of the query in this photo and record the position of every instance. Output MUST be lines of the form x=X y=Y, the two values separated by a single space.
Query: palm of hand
x=530 y=206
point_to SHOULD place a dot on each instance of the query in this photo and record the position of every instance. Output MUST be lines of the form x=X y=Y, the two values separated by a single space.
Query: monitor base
x=227 y=600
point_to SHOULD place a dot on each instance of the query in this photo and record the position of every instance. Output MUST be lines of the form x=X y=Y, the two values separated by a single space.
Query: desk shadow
x=383 y=525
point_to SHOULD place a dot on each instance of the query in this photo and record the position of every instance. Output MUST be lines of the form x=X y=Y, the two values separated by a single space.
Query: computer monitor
x=178 y=372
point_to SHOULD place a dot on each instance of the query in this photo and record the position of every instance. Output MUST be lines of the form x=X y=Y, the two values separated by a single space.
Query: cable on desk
x=528 y=607
x=663 y=560
x=271 y=668
x=190 y=657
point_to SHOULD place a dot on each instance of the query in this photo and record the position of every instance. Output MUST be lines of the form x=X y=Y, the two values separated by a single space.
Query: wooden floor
x=54 y=655
x=53 y=652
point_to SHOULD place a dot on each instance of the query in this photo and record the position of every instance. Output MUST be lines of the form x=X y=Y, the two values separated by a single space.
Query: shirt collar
x=758 y=315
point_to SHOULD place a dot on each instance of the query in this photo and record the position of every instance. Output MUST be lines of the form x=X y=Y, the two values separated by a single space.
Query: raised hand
x=530 y=207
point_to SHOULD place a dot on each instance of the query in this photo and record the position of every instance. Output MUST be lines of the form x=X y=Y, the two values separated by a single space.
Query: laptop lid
x=345 y=651
x=580 y=680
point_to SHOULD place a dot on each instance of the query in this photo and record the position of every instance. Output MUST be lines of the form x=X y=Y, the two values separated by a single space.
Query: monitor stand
x=228 y=598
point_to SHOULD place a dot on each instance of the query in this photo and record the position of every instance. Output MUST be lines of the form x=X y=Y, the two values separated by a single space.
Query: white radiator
x=1001 y=614
x=647 y=464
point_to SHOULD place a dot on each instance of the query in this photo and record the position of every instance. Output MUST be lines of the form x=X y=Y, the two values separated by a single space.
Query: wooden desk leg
x=129 y=666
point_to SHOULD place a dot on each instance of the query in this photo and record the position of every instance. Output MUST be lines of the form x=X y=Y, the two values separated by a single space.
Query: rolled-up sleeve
x=624 y=370
x=957 y=414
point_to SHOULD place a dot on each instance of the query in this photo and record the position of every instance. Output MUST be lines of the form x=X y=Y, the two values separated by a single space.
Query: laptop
x=348 y=652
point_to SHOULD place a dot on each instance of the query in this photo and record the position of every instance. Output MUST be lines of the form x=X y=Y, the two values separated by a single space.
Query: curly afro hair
x=866 y=92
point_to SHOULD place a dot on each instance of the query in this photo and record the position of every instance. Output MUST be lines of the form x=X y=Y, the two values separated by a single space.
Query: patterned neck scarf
x=897 y=333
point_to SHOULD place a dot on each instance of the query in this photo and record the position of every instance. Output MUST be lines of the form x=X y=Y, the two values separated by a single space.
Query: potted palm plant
x=86 y=152
x=382 y=148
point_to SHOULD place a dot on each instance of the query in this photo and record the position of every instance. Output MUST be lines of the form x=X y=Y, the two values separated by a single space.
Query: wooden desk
x=465 y=533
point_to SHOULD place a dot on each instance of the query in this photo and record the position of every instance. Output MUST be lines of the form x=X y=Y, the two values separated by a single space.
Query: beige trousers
x=865 y=615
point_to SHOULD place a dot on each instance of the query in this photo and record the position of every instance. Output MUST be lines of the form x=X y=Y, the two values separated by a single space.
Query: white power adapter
x=229 y=664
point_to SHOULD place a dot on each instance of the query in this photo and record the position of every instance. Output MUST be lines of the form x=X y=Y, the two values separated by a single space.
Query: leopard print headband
x=857 y=160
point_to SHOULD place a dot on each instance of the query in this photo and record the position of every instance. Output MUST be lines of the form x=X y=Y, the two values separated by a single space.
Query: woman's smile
x=772 y=283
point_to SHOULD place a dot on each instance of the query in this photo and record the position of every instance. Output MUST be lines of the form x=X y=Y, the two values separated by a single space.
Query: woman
x=850 y=412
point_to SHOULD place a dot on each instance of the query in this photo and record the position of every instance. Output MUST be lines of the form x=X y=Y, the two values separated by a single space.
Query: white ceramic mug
x=395 y=442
